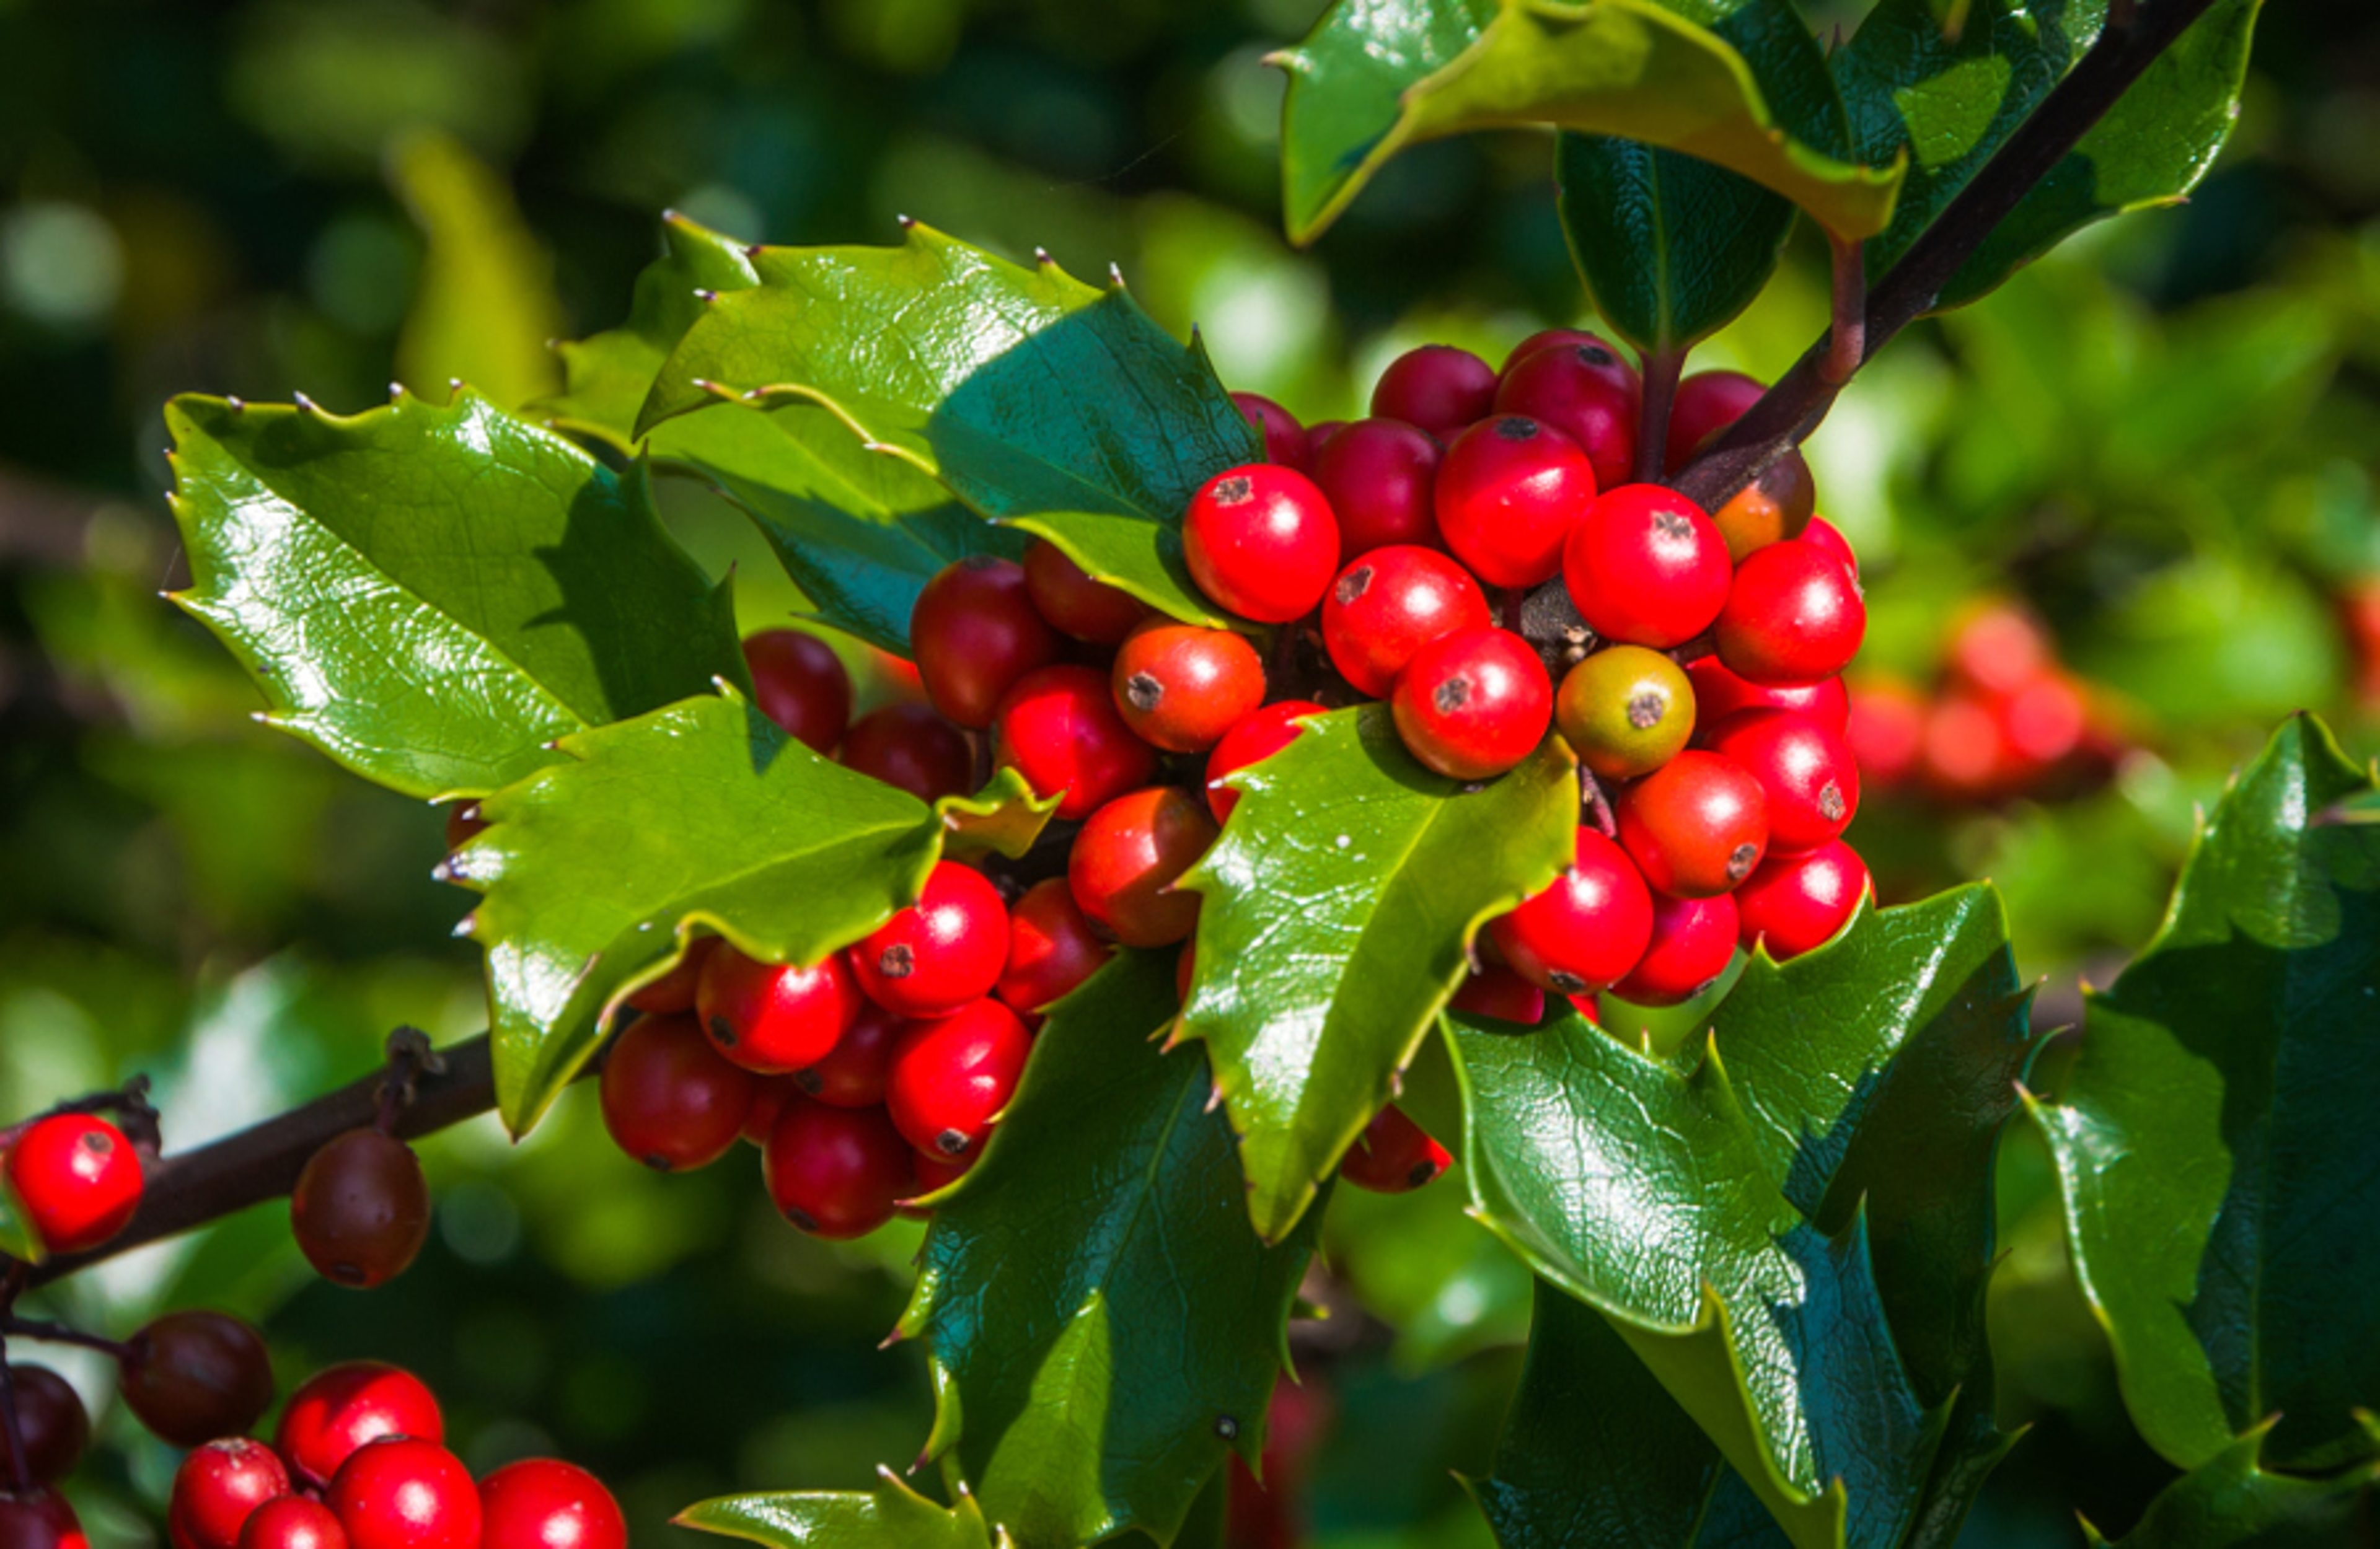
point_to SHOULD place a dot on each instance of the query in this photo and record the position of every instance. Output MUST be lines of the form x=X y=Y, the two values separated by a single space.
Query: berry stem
x=129 y=1103
x=1847 y=338
x=19 y=1470
x=1662 y=368
x=1598 y=806
x=61 y=1334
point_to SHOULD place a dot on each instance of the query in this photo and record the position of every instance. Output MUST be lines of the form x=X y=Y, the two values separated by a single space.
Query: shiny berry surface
x=1389 y=603
x=1805 y=770
x=78 y=1179
x=340 y=1408
x=1772 y=508
x=41 y=1519
x=1647 y=566
x=852 y=1073
x=543 y=1503
x=940 y=952
x=913 y=748
x=1696 y=826
x=1706 y=403
x=194 y=1375
x=1380 y=476
x=975 y=631
x=673 y=991
x=1692 y=942
x=1625 y=711
x=1051 y=948
x=1181 y=687
x=293 y=1522
x=1473 y=705
x=1284 y=438
x=1262 y=541
x=1075 y=603
x=1393 y=1156
x=360 y=1210
x=836 y=1173
x=772 y=1018
x=1060 y=729
x=800 y=683
x=1124 y=863
x=216 y=1488
x=1496 y=990
x=1584 y=931
x=1264 y=733
x=1827 y=536
x=405 y=1493
x=950 y=1076
x=1720 y=694
x=1797 y=903
x=669 y=1100
x=1437 y=387
x=1793 y=616
x=1508 y=494
x=1585 y=392
x=52 y=1419
x=1548 y=338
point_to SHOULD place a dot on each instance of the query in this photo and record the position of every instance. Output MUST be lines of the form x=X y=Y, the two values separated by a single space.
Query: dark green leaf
x=2216 y=1142
x=1104 y=1327
x=2229 y=1502
x=890 y=1517
x=596 y=868
x=1338 y=905
x=432 y=594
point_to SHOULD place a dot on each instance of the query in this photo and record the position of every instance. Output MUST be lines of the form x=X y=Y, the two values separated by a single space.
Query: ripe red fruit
x=1827 y=536
x=1648 y=566
x=940 y=952
x=41 y=1519
x=405 y=1493
x=2043 y=722
x=950 y=1077
x=1585 y=392
x=773 y=1018
x=936 y=1173
x=1262 y=541
x=771 y=1094
x=851 y=1075
x=1548 y=338
x=1393 y=1156
x=975 y=631
x=77 y=1178
x=1494 y=990
x=913 y=748
x=192 y=1376
x=1285 y=440
x=1181 y=687
x=293 y=1522
x=1473 y=705
x=341 y=1407
x=1797 y=902
x=1806 y=772
x=1793 y=616
x=1051 y=948
x=1254 y=739
x=1060 y=729
x=1963 y=755
x=50 y=1417
x=1438 y=387
x=1694 y=940
x=834 y=1172
x=216 y=1488
x=1708 y=402
x=361 y=1211
x=1696 y=826
x=540 y=1503
x=1720 y=694
x=800 y=683
x=1126 y=859
x=669 y=1100
x=1586 y=929
x=1076 y=604
x=1508 y=494
x=1886 y=731
x=1999 y=649
x=1389 y=604
x=1378 y=475
x=673 y=991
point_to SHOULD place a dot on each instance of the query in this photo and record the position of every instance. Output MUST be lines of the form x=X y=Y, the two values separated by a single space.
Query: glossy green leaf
x=1376 y=76
x=1042 y=403
x=596 y=869
x=1005 y=816
x=2215 y=1143
x=432 y=594
x=484 y=309
x=891 y=1516
x=1104 y=1327
x=2230 y=1502
x=1337 y=908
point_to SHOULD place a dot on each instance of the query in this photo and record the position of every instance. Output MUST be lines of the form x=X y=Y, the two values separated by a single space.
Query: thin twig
x=1847 y=334
x=1661 y=369
x=62 y=1333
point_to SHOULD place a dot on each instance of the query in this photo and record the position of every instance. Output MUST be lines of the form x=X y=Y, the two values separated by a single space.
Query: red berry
x=669 y=1100
x=1508 y=494
x=405 y=1493
x=1261 y=541
x=1494 y=990
x=1586 y=929
x=975 y=631
x=1051 y=948
x=1964 y=756
x=1076 y=604
x=936 y=1173
x=1124 y=863
x=773 y=1018
x=1060 y=729
x=1285 y=440
x=1886 y=731
x=1774 y=507
x=1805 y=770
x=1797 y=902
x=1438 y=387
x=41 y=1519
x=1706 y=403
x=55 y=1425
x=1720 y=694
x=673 y=991
x=951 y=1076
x=836 y=1173
x=1181 y=687
x=1999 y=649
x=539 y=1503
x=1252 y=741
x=1393 y=1156
x=463 y=825
x=1694 y=940
x=1585 y=392
x=800 y=683
x=192 y=1376
x=1389 y=604
x=940 y=952
x=771 y=1094
x=361 y=1211
x=2045 y=721
x=851 y=1075
x=913 y=748
x=1697 y=826
x=1646 y=566
x=340 y=1408
x=1827 y=536
x=1378 y=475
x=77 y=1178
x=293 y=1522
x=216 y=1488
x=1793 y=616
x=1549 y=338
x=1473 y=705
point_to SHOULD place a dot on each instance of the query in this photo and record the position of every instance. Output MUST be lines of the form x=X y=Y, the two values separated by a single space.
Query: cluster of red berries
x=75 y=1180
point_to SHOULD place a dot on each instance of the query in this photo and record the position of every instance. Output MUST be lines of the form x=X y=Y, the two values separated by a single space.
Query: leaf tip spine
x=466 y=925
x=303 y=403
x=704 y=297
x=906 y=222
x=1042 y=256
x=237 y=405
x=1115 y=275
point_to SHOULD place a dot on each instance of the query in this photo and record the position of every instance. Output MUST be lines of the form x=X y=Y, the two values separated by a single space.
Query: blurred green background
x=2164 y=441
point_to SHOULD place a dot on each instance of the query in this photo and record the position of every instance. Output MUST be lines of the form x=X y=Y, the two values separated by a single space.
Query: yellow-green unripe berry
x=1626 y=710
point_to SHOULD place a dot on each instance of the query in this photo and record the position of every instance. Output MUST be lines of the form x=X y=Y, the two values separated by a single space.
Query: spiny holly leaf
x=432 y=594
x=1643 y=1192
x=1338 y=904
x=1086 y=1388
x=1376 y=76
x=1004 y=816
x=1949 y=98
x=2229 y=1502
x=891 y=1516
x=1042 y=403
x=2215 y=1139
x=596 y=869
